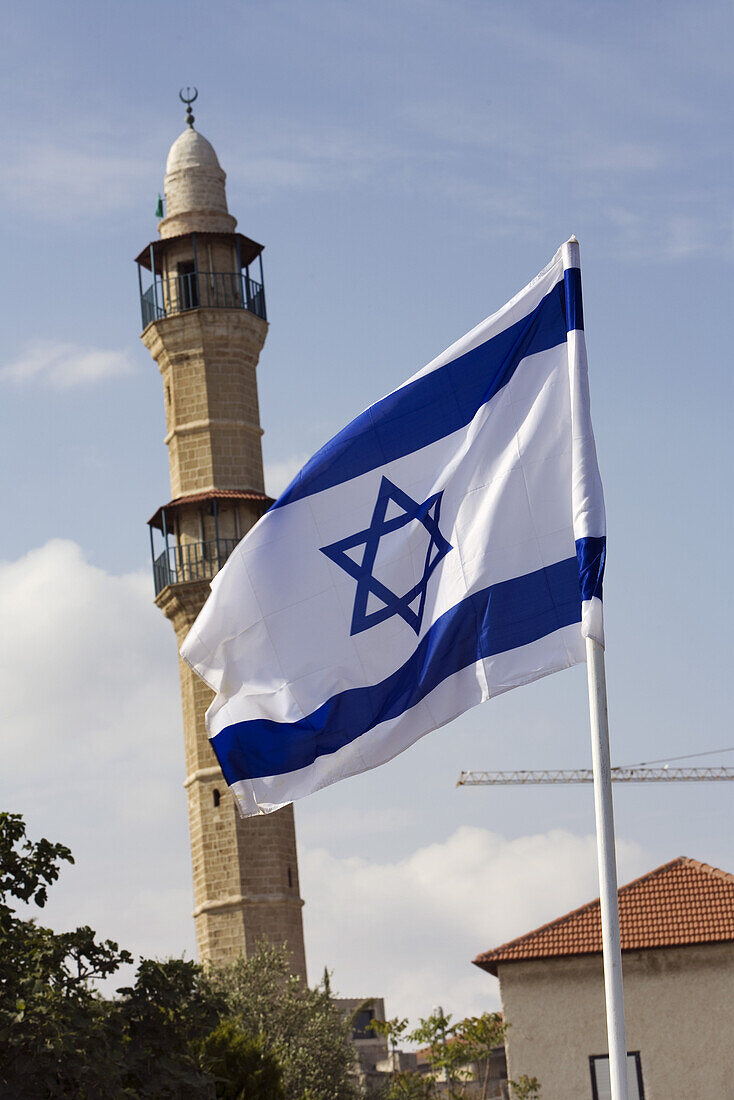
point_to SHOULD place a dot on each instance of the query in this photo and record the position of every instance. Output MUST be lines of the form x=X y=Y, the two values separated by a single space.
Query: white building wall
x=679 y=1010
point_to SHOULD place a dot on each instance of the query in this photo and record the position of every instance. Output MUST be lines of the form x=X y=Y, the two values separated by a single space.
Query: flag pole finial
x=188 y=99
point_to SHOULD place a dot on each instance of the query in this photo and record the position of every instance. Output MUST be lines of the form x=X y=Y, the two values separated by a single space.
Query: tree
x=479 y=1036
x=392 y=1029
x=452 y=1048
x=161 y=1038
x=403 y=1084
x=300 y=1027
x=250 y=1031
x=240 y=1066
x=165 y=1018
x=57 y=1037
x=409 y=1085
x=448 y=1053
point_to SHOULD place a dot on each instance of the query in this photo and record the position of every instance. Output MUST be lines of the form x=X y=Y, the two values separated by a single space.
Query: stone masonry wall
x=207 y=359
x=245 y=871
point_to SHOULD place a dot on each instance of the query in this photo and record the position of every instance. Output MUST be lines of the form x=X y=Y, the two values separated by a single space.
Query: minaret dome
x=196 y=199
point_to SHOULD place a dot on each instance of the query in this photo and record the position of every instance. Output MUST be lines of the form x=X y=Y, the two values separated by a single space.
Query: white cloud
x=92 y=744
x=64 y=365
x=408 y=930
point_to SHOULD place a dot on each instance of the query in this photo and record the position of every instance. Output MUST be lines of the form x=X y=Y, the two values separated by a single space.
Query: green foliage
x=26 y=869
x=449 y=1053
x=300 y=1027
x=165 y=1018
x=57 y=1037
x=163 y=1037
x=452 y=1047
x=403 y=1084
x=240 y=1066
x=409 y=1085
x=251 y=1031
x=481 y=1034
x=525 y=1088
x=392 y=1029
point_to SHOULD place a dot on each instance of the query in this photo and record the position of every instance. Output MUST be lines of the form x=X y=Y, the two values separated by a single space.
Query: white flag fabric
x=446 y=546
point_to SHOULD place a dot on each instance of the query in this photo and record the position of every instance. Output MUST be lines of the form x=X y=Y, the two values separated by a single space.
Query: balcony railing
x=194 y=561
x=194 y=290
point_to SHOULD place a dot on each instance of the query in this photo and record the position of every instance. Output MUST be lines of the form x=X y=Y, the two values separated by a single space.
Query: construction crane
x=633 y=774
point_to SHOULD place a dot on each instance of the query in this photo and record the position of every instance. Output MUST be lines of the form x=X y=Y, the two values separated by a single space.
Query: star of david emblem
x=410 y=605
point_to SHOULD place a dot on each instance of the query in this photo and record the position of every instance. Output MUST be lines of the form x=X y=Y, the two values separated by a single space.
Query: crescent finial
x=188 y=99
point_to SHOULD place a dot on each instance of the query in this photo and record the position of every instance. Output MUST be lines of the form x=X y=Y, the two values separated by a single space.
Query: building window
x=601 y=1087
x=361 y=1024
x=216 y=797
x=290 y=877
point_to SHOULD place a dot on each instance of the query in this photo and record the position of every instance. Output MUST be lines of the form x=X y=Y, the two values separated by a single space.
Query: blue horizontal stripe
x=495 y=620
x=433 y=406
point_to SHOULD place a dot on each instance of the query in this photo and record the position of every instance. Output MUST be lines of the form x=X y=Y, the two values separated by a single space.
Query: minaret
x=204 y=323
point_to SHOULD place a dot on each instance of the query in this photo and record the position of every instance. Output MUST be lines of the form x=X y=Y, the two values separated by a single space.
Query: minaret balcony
x=193 y=561
x=200 y=271
x=201 y=290
x=199 y=532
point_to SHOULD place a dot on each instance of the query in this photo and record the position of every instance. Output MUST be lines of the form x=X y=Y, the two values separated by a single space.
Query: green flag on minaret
x=159 y=208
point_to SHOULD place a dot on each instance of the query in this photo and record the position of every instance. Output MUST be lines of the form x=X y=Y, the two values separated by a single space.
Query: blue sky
x=408 y=166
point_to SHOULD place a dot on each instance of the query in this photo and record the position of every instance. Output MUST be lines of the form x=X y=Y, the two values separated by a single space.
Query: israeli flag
x=446 y=546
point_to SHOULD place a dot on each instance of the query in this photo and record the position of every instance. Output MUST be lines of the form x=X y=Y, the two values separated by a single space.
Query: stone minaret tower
x=204 y=323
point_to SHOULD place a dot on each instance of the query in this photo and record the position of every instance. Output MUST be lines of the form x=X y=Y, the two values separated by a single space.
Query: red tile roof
x=156 y=519
x=682 y=903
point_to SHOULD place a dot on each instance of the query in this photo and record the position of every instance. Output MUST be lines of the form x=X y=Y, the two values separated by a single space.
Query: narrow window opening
x=202 y=536
x=188 y=286
x=216 y=797
x=290 y=877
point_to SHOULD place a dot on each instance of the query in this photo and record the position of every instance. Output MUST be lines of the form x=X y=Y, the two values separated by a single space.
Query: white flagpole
x=606 y=855
x=588 y=509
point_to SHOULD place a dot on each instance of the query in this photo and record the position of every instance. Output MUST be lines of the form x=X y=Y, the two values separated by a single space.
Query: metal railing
x=202 y=289
x=194 y=561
